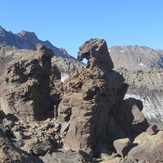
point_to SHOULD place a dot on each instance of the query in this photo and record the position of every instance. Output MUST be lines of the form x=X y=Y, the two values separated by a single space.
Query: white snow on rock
x=141 y=64
x=152 y=105
x=64 y=76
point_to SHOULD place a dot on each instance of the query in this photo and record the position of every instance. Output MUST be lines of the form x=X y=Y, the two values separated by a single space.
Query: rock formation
x=96 y=52
x=83 y=119
x=65 y=65
x=91 y=97
x=26 y=88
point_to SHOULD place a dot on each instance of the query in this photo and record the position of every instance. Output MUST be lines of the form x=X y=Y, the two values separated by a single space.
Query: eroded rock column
x=89 y=96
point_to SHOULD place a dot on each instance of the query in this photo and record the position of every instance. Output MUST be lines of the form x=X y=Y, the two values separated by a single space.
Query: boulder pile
x=83 y=119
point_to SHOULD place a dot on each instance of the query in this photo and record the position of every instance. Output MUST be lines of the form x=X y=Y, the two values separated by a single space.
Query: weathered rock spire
x=97 y=54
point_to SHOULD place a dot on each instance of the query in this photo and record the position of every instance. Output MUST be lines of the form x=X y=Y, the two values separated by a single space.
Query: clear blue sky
x=68 y=23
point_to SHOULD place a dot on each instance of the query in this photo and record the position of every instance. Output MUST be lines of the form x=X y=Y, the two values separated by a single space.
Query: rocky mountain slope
x=160 y=51
x=65 y=65
x=136 y=57
x=147 y=86
x=28 y=40
x=84 y=119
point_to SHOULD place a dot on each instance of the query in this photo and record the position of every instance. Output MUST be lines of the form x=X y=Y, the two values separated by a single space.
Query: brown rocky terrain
x=26 y=84
x=147 y=86
x=83 y=119
x=142 y=69
x=65 y=65
x=136 y=57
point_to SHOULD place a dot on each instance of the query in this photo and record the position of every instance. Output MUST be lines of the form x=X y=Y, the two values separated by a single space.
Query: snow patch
x=64 y=76
x=141 y=64
x=152 y=106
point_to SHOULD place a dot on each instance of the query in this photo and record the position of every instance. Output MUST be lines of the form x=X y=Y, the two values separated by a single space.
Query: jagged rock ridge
x=28 y=40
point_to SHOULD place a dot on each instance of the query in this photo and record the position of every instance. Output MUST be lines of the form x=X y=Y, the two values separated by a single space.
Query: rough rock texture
x=87 y=113
x=148 y=87
x=28 y=40
x=65 y=65
x=148 y=148
x=97 y=54
x=136 y=57
x=9 y=53
x=66 y=157
x=39 y=140
x=89 y=96
x=30 y=86
x=9 y=153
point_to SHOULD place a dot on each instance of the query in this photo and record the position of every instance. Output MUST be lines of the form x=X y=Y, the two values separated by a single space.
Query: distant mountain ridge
x=136 y=57
x=28 y=40
x=160 y=51
x=129 y=57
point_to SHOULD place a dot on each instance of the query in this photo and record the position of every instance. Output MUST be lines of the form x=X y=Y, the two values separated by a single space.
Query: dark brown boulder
x=148 y=148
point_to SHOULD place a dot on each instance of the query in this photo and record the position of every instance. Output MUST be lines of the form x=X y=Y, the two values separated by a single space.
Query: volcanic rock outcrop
x=27 y=90
x=96 y=52
x=83 y=119
x=91 y=97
